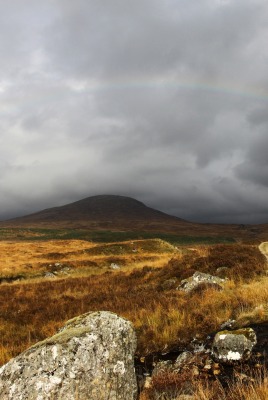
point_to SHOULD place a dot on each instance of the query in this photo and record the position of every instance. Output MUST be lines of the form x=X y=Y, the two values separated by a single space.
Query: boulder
x=231 y=346
x=201 y=280
x=92 y=357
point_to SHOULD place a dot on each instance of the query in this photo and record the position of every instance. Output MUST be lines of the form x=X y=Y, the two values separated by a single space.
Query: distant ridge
x=102 y=211
x=121 y=213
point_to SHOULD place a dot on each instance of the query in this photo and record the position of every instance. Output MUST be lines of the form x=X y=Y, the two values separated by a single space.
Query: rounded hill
x=99 y=212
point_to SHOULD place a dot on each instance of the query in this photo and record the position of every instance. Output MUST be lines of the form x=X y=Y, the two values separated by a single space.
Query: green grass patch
x=106 y=236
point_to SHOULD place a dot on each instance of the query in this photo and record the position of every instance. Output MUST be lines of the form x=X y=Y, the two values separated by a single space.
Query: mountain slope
x=120 y=213
x=103 y=211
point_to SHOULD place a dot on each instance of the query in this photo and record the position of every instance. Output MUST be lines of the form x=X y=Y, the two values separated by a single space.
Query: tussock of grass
x=170 y=385
x=239 y=261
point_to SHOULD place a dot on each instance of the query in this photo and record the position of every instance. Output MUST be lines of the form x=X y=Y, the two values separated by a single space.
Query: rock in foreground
x=90 y=358
x=231 y=346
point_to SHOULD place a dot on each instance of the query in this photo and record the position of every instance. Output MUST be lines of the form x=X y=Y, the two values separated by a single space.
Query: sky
x=165 y=101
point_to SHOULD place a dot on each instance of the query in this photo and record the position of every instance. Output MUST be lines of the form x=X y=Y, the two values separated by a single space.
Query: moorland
x=114 y=253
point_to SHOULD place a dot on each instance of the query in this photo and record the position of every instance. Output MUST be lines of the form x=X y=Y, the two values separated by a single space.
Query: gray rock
x=114 y=266
x=229 y=324
x=183 y=359
x=200 y=279
x=197 y=346
x=90 y=358
x=232 y=346
x=65 y=270
x=49 y=275
x=57 y=265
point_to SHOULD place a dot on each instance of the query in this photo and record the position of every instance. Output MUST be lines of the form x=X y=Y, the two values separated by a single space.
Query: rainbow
x=173 y=84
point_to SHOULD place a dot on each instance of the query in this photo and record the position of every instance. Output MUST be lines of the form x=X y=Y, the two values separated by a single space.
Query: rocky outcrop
x=202 y=281
x=90 y=358
x=230 y=346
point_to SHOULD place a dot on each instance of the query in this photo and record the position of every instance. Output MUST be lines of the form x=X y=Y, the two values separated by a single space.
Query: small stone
x=49 y=275
x=183 y=359
x=114 y=266
x=208 y=364
x=228 y=324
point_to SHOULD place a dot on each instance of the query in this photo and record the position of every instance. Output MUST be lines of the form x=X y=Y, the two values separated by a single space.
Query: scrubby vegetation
x=165 y=318
x=170 y=386
x=106 y=236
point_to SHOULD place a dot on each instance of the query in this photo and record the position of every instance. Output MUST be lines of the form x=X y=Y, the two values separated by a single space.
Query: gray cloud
x=162 y=101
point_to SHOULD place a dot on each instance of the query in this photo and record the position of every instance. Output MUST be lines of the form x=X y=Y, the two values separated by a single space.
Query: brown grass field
x=25 y=259
x=33 y=306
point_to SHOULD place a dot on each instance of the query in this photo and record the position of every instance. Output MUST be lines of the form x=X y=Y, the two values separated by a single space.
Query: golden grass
x=256 y=390
x=32 y=259
x=24 y=257
x=171 y=385
x=164 y=318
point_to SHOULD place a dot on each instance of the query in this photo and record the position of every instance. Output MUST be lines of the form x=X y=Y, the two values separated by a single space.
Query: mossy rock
x=234 y=346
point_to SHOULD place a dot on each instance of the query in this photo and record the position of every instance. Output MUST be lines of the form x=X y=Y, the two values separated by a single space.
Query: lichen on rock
x=232 y=346
x=92 y=357
x=200 y=279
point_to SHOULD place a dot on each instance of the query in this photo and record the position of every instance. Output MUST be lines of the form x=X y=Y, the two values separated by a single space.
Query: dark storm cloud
x=254 y=168
x=165 y=101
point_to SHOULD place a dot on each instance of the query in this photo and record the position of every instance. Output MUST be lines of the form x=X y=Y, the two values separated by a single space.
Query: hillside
x=120 y=213
x=103 y=211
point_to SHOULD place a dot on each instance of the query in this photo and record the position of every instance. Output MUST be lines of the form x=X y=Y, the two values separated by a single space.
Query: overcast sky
x=162 y=100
